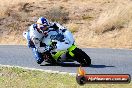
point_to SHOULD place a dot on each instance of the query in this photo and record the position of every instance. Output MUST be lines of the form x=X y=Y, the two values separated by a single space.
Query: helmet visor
x=42 y=27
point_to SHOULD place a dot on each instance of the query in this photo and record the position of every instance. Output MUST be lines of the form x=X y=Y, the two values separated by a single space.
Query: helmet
x=42 y=23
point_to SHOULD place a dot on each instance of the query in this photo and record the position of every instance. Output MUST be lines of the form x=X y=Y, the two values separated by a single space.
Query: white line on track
x=48 y=71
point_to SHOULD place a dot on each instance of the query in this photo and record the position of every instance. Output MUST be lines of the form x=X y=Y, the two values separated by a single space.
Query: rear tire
x=82 y=57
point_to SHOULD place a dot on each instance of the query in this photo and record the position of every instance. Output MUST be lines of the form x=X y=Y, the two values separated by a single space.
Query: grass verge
x=13 y=77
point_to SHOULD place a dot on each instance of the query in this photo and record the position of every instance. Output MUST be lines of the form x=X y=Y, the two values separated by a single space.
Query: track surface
x=111 y=61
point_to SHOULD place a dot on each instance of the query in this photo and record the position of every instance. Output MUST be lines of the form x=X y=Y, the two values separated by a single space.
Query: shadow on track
x=76 y=65
x=63 y=65
x=100 y=66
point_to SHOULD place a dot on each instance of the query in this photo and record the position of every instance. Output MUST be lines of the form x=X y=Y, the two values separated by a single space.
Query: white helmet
x=42 y=23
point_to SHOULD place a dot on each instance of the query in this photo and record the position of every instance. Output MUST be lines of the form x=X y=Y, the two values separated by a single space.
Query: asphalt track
x=104 y=61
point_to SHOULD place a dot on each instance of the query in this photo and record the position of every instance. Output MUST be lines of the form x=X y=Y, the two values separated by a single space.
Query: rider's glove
x=54 y=26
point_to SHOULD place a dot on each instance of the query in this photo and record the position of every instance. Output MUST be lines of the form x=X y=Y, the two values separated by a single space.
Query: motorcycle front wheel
x=81 y=57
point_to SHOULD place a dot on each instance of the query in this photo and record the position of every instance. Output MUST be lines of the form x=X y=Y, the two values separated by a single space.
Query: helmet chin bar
x=42 y=30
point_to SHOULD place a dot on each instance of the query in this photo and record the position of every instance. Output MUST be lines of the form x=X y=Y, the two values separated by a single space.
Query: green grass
x=13 y=77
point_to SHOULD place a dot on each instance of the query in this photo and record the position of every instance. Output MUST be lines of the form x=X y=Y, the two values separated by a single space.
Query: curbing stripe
x=48 y=71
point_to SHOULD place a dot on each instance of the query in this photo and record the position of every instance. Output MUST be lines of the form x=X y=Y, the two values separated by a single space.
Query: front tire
x=82 y=57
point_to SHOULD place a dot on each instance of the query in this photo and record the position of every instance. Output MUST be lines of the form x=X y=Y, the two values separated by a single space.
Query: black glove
x=54 y=26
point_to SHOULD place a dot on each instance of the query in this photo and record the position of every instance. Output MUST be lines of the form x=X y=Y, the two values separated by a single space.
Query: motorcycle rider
x=34 y=37
x=38 y=31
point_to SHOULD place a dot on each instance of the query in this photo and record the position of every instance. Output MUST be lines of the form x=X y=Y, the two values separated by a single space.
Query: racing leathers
x=35 y=38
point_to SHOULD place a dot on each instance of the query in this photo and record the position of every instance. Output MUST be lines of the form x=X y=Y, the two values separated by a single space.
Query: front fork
x=73 y=47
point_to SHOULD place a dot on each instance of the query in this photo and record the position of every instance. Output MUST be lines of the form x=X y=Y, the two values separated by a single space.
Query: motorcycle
x=59 y=55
